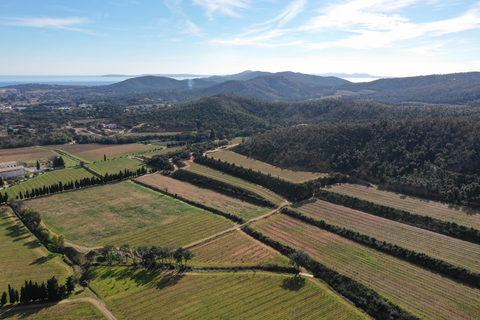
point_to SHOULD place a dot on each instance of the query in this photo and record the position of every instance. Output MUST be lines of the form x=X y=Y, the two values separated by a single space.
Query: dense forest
x=436 y=158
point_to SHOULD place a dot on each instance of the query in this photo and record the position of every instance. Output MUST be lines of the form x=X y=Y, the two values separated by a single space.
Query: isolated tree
x=299 y=258
x=1 y=182
x=3 y=301
x=38 y=165
x=178 y=255
x=187 y=255
x=104 y=157
x=70 y=284
x=58 y=162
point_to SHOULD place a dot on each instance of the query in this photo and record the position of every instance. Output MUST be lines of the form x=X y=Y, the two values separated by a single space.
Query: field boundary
x=457 y=273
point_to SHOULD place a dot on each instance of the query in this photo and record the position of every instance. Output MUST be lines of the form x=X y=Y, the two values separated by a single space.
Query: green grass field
x=163 y=151
x=22 y=257
x=426 y=294
x=460 y=215
x=115 y=166
x=126 y=213
x=457 y=252
x=47 y=179
x=241 y=160
x=65 y=311
x=205 y=196
x=135 y=294
x=218 y=175
x=236 y=249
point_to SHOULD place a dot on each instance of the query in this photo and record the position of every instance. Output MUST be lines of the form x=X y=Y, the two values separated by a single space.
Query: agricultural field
x=426 y=294
x=115 y=166
x=28 y=155
x=236 y=249
x=241 y=160
x=125 y=212
x=460 y=215
x=204 y=196
x=48 y=178
x=22 y=257
x=95 y=152
x=70 y=160
x=162 y=151
x=134 y=294
x=65 y=310
x=218 y=175
x=457 y=252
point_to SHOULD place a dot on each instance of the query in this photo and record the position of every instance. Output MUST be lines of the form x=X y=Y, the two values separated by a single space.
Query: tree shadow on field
x=170 y=280
x=17 y=232
x=42 y=260
x=17 y=313
x=302 y=203
x=32 y=244
x=293 y=284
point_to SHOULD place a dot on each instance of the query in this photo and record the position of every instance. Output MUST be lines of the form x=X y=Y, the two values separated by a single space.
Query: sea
x=92 y=80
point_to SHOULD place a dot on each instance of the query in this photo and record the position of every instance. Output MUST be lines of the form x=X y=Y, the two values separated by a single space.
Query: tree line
x=420 y=259
x=289 y=190
x=360 y=295
x=77 y=184
x=34 y=292
x=450 y=229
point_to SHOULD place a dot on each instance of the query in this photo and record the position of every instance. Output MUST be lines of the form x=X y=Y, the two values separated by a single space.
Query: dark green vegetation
x=435 y=158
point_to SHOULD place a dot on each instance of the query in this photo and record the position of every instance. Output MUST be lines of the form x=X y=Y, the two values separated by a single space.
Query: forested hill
x=236 y=114
x=455 y=88
x=439 y=158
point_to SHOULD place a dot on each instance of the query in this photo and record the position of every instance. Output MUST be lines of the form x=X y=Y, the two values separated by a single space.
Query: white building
x=10 y=170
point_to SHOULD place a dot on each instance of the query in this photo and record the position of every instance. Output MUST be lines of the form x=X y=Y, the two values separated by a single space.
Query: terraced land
x=22 y=257
x=115 y=166
x=236 y=249
x=133 y=294
x=457 y=252
x=24 y=155
x=426 y=294
x=47 y=179
x=66 y=311
x=460 y=215
x=126 y=213
x=241 y=160
x=95 y=152
x=205 y=196
x=218 y=175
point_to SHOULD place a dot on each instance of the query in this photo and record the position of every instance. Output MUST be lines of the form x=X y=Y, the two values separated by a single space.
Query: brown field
x=426 y=294
x=236 y=249
x=205 y=196
x=241 y=160
x=27 y=155
x=454 y=251
x=460 y=215
x=95 y=152
x=125 y=212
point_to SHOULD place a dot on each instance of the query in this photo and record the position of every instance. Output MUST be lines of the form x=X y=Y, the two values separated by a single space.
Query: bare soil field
x=241 y=160
x=457 y=252
x=24 y=155
x=236 y=249
x=460 y=215
x=205 y=196
x=426 y=294
x=120 y=212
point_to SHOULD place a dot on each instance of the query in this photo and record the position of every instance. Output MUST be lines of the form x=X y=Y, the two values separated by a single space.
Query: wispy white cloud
x=191 y=28
x=373 y=28
x=70 y=24
x=226 y=7
x=262 y=40
x=287 y=14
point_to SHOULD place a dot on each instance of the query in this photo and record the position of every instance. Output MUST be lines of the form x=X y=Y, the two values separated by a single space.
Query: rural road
x=239 y=226
x=97 y=303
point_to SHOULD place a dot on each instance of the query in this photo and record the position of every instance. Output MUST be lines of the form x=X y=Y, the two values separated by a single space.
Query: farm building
x=11 y=170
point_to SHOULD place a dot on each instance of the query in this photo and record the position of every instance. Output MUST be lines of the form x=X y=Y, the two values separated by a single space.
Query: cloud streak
x=226 y=7
x=49 y=23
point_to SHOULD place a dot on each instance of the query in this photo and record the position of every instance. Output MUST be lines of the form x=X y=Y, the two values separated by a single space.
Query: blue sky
x=380 y=37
